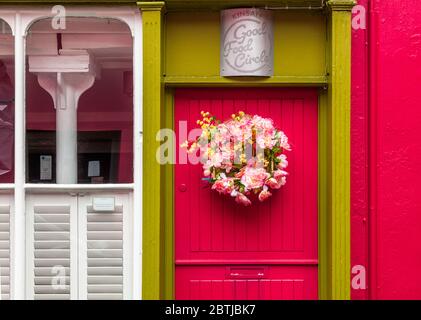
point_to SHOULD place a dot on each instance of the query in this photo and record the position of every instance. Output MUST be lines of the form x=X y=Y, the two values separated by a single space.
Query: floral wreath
x=242 y=157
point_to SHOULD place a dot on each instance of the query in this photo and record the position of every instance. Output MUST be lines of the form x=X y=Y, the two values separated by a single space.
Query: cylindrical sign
x=246 y=42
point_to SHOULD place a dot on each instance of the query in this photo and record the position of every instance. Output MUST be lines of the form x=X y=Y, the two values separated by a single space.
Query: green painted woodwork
x=221 y=4
x=152 y=278
x=300 y=45
x=338 y=149
x=169 y=266
x=328 y=68
x=325 y=282
x=216 y=81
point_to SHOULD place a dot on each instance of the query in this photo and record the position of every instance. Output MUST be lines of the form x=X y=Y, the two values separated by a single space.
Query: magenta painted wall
x=389 y=142
x=396 y=245
x=359 y=152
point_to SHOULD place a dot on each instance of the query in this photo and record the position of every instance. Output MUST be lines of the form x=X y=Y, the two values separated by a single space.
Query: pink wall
x=397 y=167
x=393 y=198
x=359 y=153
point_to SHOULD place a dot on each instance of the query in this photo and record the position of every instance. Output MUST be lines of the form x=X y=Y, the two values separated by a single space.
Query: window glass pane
x=79 y=102
x=7 y=106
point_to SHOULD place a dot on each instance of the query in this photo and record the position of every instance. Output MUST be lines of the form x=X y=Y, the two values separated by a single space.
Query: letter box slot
x=246 y=273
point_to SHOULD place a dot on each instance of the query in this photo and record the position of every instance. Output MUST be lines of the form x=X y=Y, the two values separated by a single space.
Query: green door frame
x=334 y=150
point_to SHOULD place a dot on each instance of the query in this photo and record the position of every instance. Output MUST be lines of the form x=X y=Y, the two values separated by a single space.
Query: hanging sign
x=246 y=42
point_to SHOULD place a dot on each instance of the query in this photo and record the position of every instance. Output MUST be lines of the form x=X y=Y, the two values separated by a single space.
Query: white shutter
x=52 y=247
x=5 y=211
x=90 y=251
x=103 y=272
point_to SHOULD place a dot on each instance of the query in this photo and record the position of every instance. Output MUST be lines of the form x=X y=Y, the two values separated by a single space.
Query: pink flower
x=278 y=180
x=266 y=139
x=283 y=140
x=264 y=194
x=224 y=185
x=283 y=181
x=242 y=199
x=273 y=183
x=254 y=178
x=239 y=174
x=262 y=124
x=278 y=174
x=284 y=162
x=215 y=160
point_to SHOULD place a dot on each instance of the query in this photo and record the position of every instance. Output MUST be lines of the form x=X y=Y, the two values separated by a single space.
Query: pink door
x=265 y=251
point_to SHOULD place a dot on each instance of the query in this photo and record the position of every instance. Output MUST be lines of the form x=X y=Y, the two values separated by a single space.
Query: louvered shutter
x=52 y=246
x=104 y=271
x=5 y=211
x=77 y=252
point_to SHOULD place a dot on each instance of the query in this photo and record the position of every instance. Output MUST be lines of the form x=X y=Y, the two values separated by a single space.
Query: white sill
x=78 y=187
x=7 y=186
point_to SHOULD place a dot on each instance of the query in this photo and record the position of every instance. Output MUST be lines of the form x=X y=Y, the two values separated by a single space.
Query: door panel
x=239 y=283
x=212 y=230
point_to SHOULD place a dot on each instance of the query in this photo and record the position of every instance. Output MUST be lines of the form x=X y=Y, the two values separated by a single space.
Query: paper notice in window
x=93 y=168
x=46 y=164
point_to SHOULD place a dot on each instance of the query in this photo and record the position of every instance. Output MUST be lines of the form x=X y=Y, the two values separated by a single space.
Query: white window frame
x=20 y=19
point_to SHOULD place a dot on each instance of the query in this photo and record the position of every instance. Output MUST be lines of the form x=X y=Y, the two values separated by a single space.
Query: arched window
x=79 y=102
x=70 y=197
x=7 y=98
